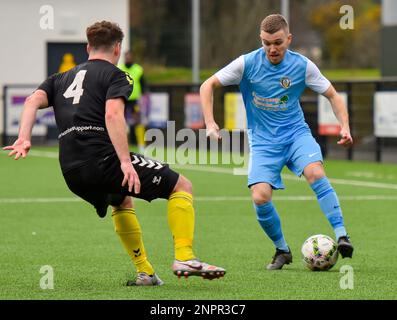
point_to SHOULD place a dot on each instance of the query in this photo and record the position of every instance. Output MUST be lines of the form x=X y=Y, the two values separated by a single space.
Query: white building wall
x=23 y=56
x=389 y=12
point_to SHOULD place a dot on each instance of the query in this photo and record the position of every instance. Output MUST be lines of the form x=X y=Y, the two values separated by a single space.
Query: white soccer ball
x=320 y=252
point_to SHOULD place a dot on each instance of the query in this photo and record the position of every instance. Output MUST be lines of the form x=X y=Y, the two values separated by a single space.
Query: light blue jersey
x=277 y=131
x=271 y=94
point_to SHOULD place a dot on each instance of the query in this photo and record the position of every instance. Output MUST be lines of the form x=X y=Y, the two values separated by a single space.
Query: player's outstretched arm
x=116 y=126
x=207 y=102
x=22 y=145
x=340 y=111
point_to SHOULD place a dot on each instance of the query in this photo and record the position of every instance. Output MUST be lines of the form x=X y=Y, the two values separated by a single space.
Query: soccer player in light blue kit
x=271 y=81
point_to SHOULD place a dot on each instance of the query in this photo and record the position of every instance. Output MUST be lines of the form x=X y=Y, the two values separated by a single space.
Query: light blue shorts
x=266 y=163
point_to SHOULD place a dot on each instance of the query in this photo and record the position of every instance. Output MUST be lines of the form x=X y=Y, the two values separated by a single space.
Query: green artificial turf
x=42 y=223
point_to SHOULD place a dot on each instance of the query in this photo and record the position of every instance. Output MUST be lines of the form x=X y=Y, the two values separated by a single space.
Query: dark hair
x=104 y=34
x=273 y=23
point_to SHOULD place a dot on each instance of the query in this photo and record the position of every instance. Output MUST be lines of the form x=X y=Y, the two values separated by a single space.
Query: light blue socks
x=270 y=222
x=329 y=204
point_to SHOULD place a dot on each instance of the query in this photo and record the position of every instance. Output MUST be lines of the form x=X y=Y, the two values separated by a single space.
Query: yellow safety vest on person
x=136 y=73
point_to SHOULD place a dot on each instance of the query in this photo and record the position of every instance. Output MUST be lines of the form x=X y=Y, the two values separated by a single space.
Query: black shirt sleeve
x=48 y=87
x=120 y=86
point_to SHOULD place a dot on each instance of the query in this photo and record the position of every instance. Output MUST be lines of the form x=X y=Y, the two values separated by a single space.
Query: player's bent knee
x=314 y=172
x=260 y=195
x=259 y=198
x=183 y=184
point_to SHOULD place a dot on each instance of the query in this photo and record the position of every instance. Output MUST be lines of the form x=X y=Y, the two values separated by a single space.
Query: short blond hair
x=273 y=23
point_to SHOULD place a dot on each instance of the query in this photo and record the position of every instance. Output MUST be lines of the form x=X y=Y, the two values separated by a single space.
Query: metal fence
x=360 y=98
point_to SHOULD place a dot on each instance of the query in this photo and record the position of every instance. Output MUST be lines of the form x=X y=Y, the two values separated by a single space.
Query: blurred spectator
x=137 y=129
x=67 y=63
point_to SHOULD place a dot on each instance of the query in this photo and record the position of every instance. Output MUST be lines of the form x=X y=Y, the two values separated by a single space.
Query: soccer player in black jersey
x=88 y=102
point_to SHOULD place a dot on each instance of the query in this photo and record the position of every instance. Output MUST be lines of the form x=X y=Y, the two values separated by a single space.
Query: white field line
x=43 y=154
x=204 y=199
x=299 y=198
x=38 y=200
x=200 y=168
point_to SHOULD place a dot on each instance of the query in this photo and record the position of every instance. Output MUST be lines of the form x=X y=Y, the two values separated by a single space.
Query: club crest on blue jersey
x=285 y=82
